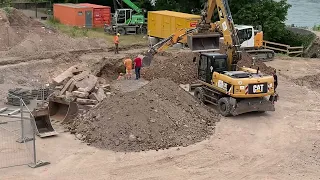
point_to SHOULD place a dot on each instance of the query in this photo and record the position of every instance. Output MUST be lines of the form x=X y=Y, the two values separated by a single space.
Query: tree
x=270 y=14
x=267 y=13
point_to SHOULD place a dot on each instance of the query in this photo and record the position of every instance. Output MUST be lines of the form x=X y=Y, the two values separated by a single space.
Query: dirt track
x=280 y=145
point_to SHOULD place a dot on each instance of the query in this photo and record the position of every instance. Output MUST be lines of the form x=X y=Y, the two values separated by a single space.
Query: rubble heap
x=78 y=84
x=157 y=116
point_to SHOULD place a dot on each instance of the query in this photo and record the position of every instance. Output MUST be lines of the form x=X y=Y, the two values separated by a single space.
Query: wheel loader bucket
x=42 y=123
x=62 y=111
x=203 y=42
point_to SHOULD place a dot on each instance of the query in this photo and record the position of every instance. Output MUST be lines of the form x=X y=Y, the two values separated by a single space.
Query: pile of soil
x=246 y=61
x=178 y=67
x=23 y=36
x=311 y=81
x=314 y=51
x=157 y=116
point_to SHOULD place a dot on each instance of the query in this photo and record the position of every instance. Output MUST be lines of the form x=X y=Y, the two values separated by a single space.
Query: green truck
x=127 y=21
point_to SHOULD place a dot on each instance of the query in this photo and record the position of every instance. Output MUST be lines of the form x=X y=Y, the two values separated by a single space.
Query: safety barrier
x=17 y=137
x=283 y=48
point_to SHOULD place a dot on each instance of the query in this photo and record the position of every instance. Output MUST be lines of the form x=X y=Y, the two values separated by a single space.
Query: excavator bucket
x=203 y=42
x=61 y=110
x=43 y=124
x=146 y=60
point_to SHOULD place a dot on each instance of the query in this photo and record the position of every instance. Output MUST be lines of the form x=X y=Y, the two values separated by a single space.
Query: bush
x=53 y=20
x=295 y=39
x=316 y=28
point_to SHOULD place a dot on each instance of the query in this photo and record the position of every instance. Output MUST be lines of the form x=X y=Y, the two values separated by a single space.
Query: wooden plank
x=3 y=109
x=273 y=48
x=14 y=112
x=297 y=47
x=269 y=42
x=295 y=52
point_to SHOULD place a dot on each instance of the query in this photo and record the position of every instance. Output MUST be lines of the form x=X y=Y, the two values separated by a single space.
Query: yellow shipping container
x=161 y=24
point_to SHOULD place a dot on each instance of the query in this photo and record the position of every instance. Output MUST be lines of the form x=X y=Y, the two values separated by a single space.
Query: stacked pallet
x=14 y=96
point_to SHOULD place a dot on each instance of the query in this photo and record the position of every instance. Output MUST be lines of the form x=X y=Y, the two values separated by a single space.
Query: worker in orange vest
x=128 y=65
x=116 y=43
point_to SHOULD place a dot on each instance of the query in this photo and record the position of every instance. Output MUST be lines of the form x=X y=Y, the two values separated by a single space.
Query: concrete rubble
x=79 y=85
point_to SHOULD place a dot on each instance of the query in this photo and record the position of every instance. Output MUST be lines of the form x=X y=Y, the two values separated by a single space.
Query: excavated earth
x=23 y=36
x=157 y=116
x=178 y=67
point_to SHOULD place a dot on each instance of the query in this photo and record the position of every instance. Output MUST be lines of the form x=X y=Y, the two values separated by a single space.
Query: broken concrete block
x=72 y=86
x=87 y=83
x=81 y=76
x=93 y=96
x=100 y=94
x=106 y=87
x=80 y=94
x=66 y=87
x=58 y=87
x=86 y=101
x=66 y=74
x=69 y=96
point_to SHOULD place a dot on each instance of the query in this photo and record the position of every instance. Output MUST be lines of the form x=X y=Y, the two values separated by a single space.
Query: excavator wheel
x=224 y=106
x=199 y=94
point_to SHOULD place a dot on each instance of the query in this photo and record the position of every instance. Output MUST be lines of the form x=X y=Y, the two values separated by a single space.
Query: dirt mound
x=178 y=67
x=314 y=50
x=311 y=81
x=157 y=116
x=23 y=36
x=247 y=62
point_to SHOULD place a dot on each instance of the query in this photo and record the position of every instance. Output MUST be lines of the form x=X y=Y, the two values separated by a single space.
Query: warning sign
x=193 y=24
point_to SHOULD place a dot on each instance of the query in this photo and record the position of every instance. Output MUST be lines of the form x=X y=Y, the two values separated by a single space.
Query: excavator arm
x=201 y=39
x=133 y=6
x=165 y=44
x=231 y=40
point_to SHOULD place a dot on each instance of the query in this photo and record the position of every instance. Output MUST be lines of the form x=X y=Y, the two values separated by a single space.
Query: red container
x=73 y=14
x=101 y=14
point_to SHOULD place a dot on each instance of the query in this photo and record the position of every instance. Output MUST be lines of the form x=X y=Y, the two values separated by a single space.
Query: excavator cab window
x=244 y=34
x=210 y=63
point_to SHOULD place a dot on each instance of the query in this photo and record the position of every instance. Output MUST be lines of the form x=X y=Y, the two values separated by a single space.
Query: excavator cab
x=211 y=62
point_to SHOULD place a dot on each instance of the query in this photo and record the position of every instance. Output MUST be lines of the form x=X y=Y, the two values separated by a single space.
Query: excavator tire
x=224 y=106
x=199 y=94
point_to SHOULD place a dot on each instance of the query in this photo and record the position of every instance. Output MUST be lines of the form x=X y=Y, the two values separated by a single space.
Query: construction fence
x=284 y=49
x=17 y=136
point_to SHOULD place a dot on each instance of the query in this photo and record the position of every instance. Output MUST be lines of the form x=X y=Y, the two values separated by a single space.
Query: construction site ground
x=280 y=145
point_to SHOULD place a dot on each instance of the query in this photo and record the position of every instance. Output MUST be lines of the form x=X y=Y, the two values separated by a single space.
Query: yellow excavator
x=235 y=90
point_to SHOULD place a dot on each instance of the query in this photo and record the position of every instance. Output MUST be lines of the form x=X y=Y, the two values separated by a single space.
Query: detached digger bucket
x=43 y=124
x=203 y=42
x=62 y=111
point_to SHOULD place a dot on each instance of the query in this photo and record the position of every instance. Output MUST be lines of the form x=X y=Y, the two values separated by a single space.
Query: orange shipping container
x=101 y=14
x=73 y=14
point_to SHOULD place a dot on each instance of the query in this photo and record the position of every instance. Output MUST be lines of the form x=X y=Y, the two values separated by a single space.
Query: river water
x=304 y=13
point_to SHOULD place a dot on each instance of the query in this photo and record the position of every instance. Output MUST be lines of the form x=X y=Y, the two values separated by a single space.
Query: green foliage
x=53 y=20
x=5 y=4
x=295 y=39
x=267 y=13
x=316 y=28
x=7 y=10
